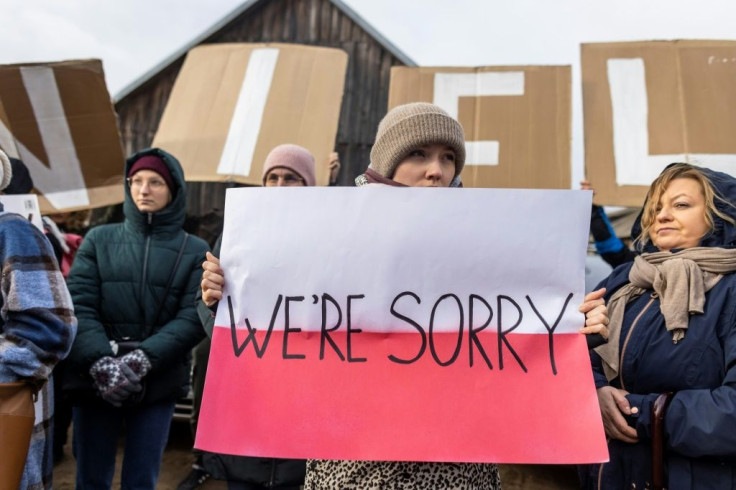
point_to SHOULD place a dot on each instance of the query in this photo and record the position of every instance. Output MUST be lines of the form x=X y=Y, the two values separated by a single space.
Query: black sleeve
x=622 y=256
x=206 y=313
x=58 y=251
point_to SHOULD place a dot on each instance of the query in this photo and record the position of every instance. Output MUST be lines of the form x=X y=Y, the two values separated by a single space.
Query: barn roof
x=235 y=14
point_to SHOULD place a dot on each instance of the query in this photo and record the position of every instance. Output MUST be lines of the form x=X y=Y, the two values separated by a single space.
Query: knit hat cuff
x=21 y=181
x=412 y=132
x=293 y=157
x=156 y=164
x=6 y=170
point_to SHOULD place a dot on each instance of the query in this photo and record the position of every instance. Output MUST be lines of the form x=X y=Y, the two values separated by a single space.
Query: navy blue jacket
x=700 y=423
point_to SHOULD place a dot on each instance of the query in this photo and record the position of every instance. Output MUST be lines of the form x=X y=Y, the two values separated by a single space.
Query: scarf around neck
x=680 y=280
x=372 y=177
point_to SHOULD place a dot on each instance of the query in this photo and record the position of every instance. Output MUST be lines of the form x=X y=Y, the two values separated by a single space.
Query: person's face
x=59 y=218
x=431 y=165
x=679 y=221
x=149 y=191
x=283 y=177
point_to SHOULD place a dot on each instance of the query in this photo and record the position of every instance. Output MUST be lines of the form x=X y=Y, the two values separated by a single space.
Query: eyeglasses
x=153 y=184
x=289 y=179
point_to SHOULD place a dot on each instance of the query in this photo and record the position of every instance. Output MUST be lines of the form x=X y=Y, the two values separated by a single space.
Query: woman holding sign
x=417 y=145
x=666 y=378
x=287 y=165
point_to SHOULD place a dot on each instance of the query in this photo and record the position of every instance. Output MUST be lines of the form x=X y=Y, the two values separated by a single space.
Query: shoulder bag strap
x=168 y=284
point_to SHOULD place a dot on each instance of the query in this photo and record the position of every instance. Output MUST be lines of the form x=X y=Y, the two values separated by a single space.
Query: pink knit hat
x=295 y=158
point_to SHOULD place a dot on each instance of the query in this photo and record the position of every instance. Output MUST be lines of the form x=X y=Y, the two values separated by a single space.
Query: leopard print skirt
x=400 y=475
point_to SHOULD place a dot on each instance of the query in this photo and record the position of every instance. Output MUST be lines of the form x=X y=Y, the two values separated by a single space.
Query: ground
x=176 y=464
x=178 y=460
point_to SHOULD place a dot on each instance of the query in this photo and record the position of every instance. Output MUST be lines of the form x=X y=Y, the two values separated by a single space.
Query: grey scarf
x=680 y=280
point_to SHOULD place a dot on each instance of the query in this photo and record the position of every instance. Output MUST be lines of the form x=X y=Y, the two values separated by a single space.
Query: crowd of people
x=143 y=293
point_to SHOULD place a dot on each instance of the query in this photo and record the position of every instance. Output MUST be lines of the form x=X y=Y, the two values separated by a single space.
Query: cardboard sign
x=25 y=205
x=233 y=103
x=517 y=120
x=392 y=324
x=648 y=104
x=58 y=118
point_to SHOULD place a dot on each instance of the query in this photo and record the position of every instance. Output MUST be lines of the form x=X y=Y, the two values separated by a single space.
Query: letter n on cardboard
x=59 y=119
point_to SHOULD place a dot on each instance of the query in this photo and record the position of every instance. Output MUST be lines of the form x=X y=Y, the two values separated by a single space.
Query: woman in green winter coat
x=133 y=285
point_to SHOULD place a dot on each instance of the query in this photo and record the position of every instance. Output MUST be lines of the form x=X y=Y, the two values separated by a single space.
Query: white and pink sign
x=386 y=323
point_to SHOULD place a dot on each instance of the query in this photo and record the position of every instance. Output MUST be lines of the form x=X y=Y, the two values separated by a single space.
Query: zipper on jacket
x=272 y=483
x=144 y=273
x=628 y=336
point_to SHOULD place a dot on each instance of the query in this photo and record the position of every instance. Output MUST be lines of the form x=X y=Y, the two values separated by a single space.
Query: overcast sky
x=132 y=36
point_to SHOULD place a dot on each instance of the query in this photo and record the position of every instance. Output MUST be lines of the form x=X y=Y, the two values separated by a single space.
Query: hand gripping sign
x=402 y=324
x=233 y=103
x=58 y=118
x=516 y=120
x=649 y=104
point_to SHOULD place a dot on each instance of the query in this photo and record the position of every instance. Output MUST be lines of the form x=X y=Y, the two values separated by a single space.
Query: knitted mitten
x=114 y=380
x=138 y=362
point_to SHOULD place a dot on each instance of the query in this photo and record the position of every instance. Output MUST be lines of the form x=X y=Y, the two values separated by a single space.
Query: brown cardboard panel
x=20 y=112
x=64 y=127
x=7 y=142
x=197 y=116
x=111 y=194
x=711 y=101
x=689 y=100
x=83 y=87
x=532 y=128
x=301 y=105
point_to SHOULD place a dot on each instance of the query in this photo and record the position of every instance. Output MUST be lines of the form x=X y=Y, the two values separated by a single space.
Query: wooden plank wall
x=313 y=22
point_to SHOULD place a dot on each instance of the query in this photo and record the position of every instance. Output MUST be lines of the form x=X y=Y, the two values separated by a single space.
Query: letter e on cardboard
x=517 y=120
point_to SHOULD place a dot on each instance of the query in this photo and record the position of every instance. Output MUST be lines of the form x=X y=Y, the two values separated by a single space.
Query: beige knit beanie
x=6 y=171
x=409 y=126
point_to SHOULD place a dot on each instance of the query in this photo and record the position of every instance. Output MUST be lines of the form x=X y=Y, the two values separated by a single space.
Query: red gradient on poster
x=402 y=396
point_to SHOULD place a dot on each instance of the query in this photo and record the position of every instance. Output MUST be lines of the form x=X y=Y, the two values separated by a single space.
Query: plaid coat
x=37 y=327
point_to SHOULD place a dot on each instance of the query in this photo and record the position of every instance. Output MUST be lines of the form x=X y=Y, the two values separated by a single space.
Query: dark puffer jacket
x=118 y=283
x=700 y=423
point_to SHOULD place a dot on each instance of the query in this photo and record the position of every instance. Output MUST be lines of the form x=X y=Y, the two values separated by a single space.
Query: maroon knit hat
x=152 y=162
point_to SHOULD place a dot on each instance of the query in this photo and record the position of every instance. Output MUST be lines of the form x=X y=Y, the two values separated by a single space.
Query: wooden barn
x=328 y=23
